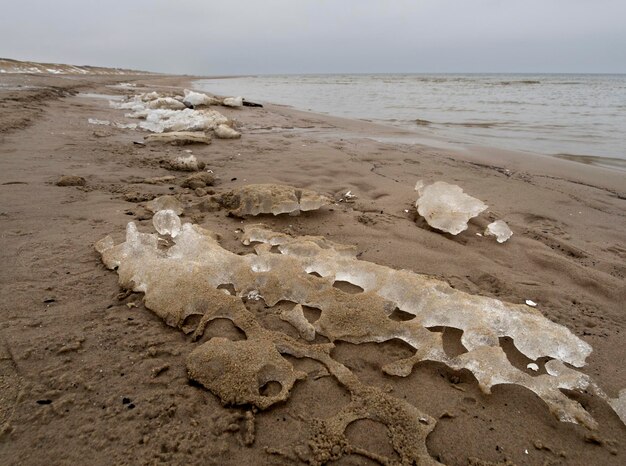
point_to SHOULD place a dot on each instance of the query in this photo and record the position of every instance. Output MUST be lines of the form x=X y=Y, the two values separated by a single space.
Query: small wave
x=423 y=122
x=607 y=162
x=476 y=124
x=524 y=81
x=467 y=124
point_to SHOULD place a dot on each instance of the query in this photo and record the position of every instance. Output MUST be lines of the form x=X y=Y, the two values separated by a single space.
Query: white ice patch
x=95 y=121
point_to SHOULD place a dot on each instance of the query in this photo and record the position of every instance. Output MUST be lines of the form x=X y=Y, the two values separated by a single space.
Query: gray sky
x=320 y=36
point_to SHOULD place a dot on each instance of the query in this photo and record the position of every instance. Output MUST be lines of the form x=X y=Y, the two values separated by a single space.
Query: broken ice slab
x=165 y=203
x=198 y=99
x=276 y=199
x=162 y=114
x=159 y=121
x=179 y=282
x=500 y=230
x=179 y=138
x=226 y=132
x=166 y=222
x=446 y=207
x=233 y=102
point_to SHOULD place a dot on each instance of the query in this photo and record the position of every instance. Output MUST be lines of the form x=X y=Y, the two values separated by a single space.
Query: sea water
x=581 y=117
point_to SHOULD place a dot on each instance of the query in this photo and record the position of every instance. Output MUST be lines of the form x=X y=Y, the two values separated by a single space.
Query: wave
x=423 y=122
x=609 y=162
x=477 y=124
x=465 y=124
x=523 y=81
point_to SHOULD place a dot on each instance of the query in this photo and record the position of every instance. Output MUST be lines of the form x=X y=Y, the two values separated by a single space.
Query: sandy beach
x=89 y=375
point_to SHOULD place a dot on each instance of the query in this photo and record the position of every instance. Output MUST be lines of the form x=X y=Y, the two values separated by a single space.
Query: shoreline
x=508 y=133
x=77 y=351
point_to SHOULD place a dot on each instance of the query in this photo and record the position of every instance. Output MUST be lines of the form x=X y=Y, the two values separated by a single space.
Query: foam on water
x=565 y=115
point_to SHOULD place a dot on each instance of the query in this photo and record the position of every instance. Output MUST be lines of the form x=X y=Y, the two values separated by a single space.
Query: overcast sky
x=320 y=36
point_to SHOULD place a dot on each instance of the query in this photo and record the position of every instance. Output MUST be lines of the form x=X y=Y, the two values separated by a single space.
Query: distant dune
x=8 y=65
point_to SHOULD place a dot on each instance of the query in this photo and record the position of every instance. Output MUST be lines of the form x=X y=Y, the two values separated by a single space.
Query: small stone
x=135 y=196
x=198 y=180
x=71 y=180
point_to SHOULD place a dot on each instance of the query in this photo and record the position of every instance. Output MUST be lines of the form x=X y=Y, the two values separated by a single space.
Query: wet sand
x=89 y=375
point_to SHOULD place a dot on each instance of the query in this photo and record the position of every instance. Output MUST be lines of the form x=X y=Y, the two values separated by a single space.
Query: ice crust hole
x=347 y=287
x=312 y=314
x=270 y=388
x=371 y=436
x=400 y=316
x=191 y=323
x=315 y=274
x=224 y=328
x=228 y=287
x=519 y=359
x=451 y=338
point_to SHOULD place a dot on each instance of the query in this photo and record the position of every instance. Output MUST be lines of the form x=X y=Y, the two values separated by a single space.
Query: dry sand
x=90 y=376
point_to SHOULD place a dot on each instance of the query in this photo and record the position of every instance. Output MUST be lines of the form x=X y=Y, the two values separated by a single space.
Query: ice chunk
x=166 y=222
x=179 y=138
x=255 y=199
x=226 y=132
x=167 y=114
x=184 y=163
x=95 y=121
x=125 y=125
x=532 y=366
x=233 y=102
x=446 y=207
x=531 y=303
x=619 y=405
x=167 y=103
x=165 y=203
x=500 y=230
x=198 y=99
x=159 y=121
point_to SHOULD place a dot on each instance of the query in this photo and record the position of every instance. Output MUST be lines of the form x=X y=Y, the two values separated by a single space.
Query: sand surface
x=88 y=375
